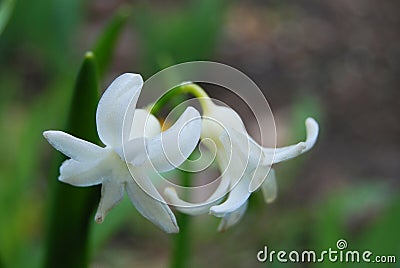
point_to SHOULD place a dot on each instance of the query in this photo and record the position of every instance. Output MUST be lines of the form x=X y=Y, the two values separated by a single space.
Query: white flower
x=244 y=164
x=91 y=164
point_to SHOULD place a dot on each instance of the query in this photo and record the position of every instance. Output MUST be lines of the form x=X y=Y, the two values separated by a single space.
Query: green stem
x=180 y=256
x=181 y=245
x=192 y=89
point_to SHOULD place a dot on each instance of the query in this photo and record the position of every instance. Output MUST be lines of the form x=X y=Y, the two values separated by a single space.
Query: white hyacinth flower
x=114 y=165
x=245 y=165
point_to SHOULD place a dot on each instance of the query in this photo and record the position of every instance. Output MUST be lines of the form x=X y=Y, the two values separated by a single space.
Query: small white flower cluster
x=124 y=164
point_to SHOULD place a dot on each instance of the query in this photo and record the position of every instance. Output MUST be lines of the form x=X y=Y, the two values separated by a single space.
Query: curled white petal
x=82 y=173
x=112 y=193
x=146 y=199
x=242 y=147
x=119 y=96
x=232 y=160
x=312 y=129
x=288 y=152
x=269 y=187
x=201 y=207
x=217 y=119
x=73 y=147
x=236 y=198
x=172 y=147
x=232 y=218
x=284 y=155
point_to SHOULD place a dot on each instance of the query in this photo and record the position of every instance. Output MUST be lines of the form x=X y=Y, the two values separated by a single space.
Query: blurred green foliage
x=186 y=34
x=43 y=29
x=104 y=47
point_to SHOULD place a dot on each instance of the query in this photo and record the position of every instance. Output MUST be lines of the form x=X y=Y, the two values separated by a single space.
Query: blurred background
x=335 y=60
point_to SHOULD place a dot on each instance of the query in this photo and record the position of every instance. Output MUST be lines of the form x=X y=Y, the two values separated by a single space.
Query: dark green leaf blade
x=6 y=8
x=106 y=42
x=71 y=207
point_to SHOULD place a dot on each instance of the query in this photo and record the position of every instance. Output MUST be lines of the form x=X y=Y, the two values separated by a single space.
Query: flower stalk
x=187 y=88
x=180 y=256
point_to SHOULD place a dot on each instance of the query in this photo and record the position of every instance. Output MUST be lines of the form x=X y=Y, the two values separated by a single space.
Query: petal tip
x=311 y=120
x=174 y=230
x=312 y=124
x=312 y=129
x=45 y=133
x=216 y=212
x=131 y=76
x=170 y=192
x=48 y=134
x=99 y=218
x=192 y=112
x=170 y=228
x=253 y=187
x=270 y=200
x=222 y=229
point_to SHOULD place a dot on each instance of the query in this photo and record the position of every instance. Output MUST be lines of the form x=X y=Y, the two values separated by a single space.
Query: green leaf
x=106 y=43
x=6 y=9
x=72 y=207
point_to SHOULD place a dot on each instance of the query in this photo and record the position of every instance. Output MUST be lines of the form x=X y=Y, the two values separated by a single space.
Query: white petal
x=172 y=147
x=147 y=202
x=284 y=155
x=83 y=173
x=112 y=193
x=269 y=187
x=121 y=94
x=249 y=150
x=134 y=151
x=249 y=153
x=288 y=152
x=144 y=125
x=258 y=177
x=312 y=133
x=236 y=198
x=231 y=219
x=73 y=147
x=217 y=119
x=195 y=209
